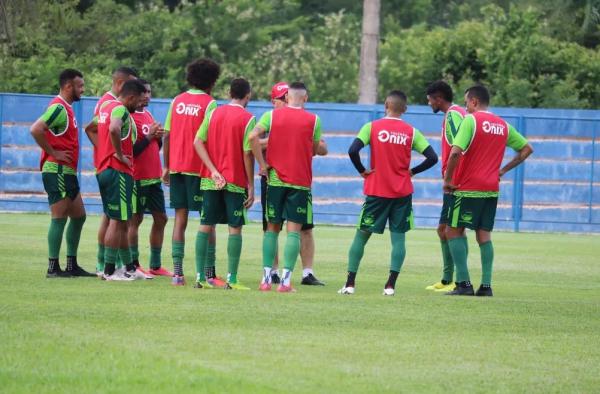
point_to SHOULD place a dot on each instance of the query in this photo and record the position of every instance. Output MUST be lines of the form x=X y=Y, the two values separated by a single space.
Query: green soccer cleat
x=237 y=286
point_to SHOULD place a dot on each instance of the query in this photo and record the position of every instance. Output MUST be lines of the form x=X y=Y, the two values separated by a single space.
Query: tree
x=367 y=85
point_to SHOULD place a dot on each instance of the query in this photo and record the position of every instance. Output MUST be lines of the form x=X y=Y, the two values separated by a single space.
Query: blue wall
x=558 y=189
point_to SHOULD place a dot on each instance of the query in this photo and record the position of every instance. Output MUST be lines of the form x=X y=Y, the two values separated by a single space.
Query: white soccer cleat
x=119 y=276
x=346 y=290
x=143 y=274
x=389 y=291
x=100 y=274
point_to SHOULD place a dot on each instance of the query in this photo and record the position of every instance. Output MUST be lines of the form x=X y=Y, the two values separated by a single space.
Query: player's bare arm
x=254 y=139
x=249 y=167
x=38 y=132
x=115 y=139
x=91 y=130
x=519 y=158
x=203 y=155
x=165 y=176
x=452 y=164
x=322 y=148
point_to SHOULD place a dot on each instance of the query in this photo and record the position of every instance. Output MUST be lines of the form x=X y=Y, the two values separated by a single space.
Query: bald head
x=297 y=94
x=395 y=103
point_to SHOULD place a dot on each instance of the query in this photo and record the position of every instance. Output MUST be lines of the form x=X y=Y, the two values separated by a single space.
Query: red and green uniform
x=483 y=138
x=115 y=179
x=292 y=133
x=186 y=114
x=60 y=178
x=452 y=120
x=108 y=96
x=225 y=134
x=389 y=188
x=147 y=168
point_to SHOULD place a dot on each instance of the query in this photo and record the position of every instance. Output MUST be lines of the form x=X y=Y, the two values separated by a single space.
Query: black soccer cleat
x=77 y=271
x=275 y=279
x=484 y=291
x=58 y=273
x=311 y=280
x=462 y=289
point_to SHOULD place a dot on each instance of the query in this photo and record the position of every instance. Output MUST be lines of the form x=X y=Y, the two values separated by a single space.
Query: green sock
x=448 y=268
x=100 y=258
x=125 y=256
x=291 y=250
x=119 y=261
x=55 y=234
x=357 y=250
x=177 y=249
x=110 y=255
x=155 y=262
x=487 y=260
x=269 y=248
x=74 y=234
x=211 y=254
x=398 y=251
x=135 y=252
x=201 y=253
x=459 y=256
x=466 y=242
x=234 y=250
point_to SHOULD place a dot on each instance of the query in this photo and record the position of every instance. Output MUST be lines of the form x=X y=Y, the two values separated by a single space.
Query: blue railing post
x=78 y=109
x=518 y=183
x=1 y=122
x=590 y=210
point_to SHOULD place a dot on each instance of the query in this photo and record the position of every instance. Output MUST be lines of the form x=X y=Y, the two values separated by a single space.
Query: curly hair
x=203 y=74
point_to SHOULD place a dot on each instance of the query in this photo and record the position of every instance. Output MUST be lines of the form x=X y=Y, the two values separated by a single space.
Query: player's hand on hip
x=366 y=173
x=63 y=156
x=123 y=159
x=165 y=177
x=448 y=187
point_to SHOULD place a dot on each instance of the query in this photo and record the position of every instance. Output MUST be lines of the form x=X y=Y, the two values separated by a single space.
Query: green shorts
x=223 y=206
x=376 y=212
x=59 y=186
x=116 y=190
x=185 y=192
x=445 y=207
x=149 y=198
x=286 y=203
x=472 y=212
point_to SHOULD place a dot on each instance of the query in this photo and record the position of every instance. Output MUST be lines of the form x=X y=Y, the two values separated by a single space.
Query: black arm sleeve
x=430 y=159
x=140 y=145
x=159 y=144
x=354 y=154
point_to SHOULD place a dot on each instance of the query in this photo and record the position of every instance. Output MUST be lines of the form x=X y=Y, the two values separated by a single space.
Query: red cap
x=279 y=90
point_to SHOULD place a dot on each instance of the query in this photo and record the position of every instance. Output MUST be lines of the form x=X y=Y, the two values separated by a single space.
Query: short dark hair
x=239 y=88
x=441 y=88
x=398 y=94
x=144 y=81
x=203 y=73
x=127 y=71
x=479 y=92
x=68 y=75
x=297 y=85
x=132 y=87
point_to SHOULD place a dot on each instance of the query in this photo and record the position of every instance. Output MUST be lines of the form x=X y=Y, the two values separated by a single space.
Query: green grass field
x=540 y=333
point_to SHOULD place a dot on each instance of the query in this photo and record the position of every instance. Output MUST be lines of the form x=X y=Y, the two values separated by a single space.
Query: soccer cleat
x=160 y=272
x=99 y=274
x=178 y=280
x=285 y=289
x=143 y=274
x=77 y=271
x=275 y=279
x=143 y=270
x=438 y=286
x=265 y=287
x=57 y=273
x=462 y=289
x=446 y=288
x=484 y=291
x=237 y=286
x=203 y=285
x=346 y=290
x=389 y=291
x=217 y=282
x=118 y=276
x=311 y=280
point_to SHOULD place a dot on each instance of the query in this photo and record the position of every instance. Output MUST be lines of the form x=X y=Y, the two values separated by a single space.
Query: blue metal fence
x=556 y=190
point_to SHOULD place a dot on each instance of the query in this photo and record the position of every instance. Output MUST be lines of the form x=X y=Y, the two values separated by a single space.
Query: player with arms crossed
x=57 y=134
x=227 y=178
x=439 y=97
x=473 y=177
x=294 y=136
x=387 y=186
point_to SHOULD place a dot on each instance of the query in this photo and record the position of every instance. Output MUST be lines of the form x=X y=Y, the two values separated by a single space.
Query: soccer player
x=294 y=136
x=182 y=164
x=116 y=135
x=387 y=186
x=472 y=176
x=147 y=173
x=119 y=77
x=439 y=97
x=57 y=134
x=307 y=241
x=227 y=178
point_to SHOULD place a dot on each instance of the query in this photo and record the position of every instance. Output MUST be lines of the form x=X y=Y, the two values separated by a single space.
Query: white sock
x=274 y=271
x=286 y=279
x=266 y=275
x=306 y=272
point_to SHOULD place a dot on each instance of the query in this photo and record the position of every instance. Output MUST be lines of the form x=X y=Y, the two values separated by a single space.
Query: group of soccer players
x=209 y=155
